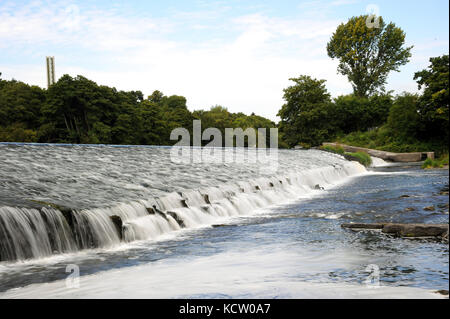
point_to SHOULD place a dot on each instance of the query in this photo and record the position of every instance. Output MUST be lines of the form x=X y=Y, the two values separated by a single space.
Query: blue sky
x=239 y=54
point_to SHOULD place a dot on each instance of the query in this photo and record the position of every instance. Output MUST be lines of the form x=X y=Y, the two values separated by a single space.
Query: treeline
x=416 y=122
x=78 y=110
x=370 y=117
x=310 y=116
x=402 y=123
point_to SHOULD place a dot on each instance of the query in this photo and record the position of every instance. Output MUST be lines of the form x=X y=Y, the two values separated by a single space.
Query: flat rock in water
x=363 y=226
x=405 y=230
x=416 y=230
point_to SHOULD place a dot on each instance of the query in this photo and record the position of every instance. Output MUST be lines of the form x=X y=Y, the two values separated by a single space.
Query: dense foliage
x=415 y=122
x=305 y=113
x=78 y=110
x=367 y=51
x=436 y=163
x=434 y=102
x=311 y=117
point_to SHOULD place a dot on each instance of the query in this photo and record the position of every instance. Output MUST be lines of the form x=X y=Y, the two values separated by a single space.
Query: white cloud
x=244 y=66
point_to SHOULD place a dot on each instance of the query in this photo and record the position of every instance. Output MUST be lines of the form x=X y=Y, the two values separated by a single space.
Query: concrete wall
x=387 y=156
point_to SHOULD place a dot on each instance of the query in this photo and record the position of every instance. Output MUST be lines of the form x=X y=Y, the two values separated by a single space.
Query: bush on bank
x=436 y=163
x=360 y=157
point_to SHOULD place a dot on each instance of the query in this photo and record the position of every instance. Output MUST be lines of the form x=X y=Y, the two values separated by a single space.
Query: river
x=216 y=229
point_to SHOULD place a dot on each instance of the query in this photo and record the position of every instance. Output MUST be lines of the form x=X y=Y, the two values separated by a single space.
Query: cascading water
x=31 y=233
x=149 y=212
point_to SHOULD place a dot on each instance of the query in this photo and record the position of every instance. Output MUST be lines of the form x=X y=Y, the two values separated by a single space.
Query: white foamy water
x=275 y=234
x=379 y=162
x=266 y=273
x=37 y=233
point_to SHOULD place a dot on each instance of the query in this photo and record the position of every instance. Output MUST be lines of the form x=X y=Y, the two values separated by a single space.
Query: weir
x=27 y=233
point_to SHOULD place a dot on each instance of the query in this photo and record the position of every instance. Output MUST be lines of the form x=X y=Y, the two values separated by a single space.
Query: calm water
x=285 y=242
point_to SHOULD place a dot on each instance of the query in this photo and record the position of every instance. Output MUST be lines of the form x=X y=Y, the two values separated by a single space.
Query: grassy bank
x=436 y=163
x=383 y=139
x=360 y=157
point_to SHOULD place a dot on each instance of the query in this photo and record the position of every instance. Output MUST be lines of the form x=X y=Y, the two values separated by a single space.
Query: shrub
x=17 y=133
x=435 y=163
x=332 y=149
x=361 y=157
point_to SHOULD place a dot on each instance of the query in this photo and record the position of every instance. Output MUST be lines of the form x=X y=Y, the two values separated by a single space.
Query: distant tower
x=50 y=70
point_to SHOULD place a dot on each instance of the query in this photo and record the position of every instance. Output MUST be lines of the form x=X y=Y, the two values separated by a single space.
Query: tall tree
x=367 y=52
x=305 y=115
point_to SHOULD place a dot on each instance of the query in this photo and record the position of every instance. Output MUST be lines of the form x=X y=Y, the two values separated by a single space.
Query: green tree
x=305 y=117
x=434 y=102
x=219 y=117
x=404 y=120
x=353 y=113
x=77 y=110
x=69 y=101
x=20 y=103
x=367 y=53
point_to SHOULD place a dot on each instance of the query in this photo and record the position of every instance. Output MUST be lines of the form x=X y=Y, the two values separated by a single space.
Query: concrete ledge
x=387 y=156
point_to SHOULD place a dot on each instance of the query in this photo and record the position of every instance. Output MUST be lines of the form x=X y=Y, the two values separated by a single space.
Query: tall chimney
x=50 y=70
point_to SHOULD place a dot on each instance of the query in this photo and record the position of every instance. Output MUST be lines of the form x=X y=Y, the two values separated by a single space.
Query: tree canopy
x=304 y=116
x=78 y=110
x=368 y=52
x=434 y=102
x=311 y=117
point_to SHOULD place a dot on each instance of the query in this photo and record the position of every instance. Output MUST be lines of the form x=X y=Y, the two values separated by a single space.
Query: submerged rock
x=206 y=197
x=442 y=292
x=117 y=221
x=363 y=226
x=184 y=203
x=429 y=208
x=444 y=191
x=177 y=218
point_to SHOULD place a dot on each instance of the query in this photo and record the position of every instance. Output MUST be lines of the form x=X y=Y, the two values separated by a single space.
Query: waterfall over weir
x=34 y=233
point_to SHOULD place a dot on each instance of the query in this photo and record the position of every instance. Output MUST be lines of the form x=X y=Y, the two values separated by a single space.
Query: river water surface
x=217 y=230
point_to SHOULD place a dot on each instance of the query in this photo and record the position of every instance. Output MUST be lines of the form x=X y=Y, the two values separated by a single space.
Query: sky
x=238 y=54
